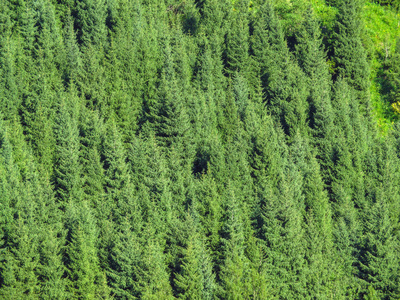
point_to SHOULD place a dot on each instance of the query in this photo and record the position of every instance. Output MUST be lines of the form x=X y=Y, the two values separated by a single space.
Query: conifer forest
x=199 y=149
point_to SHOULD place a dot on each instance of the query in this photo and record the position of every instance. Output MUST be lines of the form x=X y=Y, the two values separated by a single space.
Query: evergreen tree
x=281 y=78
x=237 y=43
x=349 y=53
x=52 y=269
x=124 y=101
x=20 y=262
x=171 y=122
x=152 y=276
x=380 y=251
x=20 y=256
x=8 y=87
x=68 y=168
x=208 y=205
x=323 y=278
x=91 y=22
x=235 y=263
x=195 y=280
x=120 y=201
x=282 y=233
x=91 y=82
x=91 y=132
x=214 y=18
x=19 y=241
x=49 y=232
x=312 y=60
x=149 y=173
x=73 y=60
x=85 y=279
x=125 y=257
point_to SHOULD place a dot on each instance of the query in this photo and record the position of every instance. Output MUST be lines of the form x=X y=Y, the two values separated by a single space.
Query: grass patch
x=382 y=27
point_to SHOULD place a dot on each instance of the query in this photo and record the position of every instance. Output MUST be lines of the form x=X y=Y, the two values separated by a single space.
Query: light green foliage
x=392 y=72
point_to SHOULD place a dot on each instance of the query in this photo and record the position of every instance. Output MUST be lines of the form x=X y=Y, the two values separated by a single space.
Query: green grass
x=382 y=28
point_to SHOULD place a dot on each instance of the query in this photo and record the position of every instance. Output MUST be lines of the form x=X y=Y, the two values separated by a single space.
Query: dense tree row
x=193 y=150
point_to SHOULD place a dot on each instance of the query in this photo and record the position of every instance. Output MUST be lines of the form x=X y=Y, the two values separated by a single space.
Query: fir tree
x=281 y=78
x=125 y=257
x=380 y=251
x=119 y=191
x=149 y=173
x=91 y=132
x=91 y=82
x=152 y=275
x=195 y=280
x=51 y=267
x=19 y=242
x=235 y=263
x=237 y=44
x=349 y=53
x=312 y=60
x=85 y=279
x=8 y=86
x=20 y=262
x=208 y=206
x=68 y=168
x=282 y=233
x=171 y=123
x=73 y=60
x=91 y=22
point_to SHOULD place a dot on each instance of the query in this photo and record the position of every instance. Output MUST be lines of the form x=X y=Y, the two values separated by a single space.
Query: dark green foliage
x=349 y=53
x=237 y=40
x=68 y=169
x=392 y=71
x=91 y=22
x=312 y=60
x=52 y=268
x=85 y=278
x=283 y=233
x=380 y=251
x=281 y=78
x=195 y=149
x=152 y=276
x=91 y=130
x=119 y=202
x=91 y=82
x=125 y=255
x=379 y=246
x=171 y=122
x=9 y=99
x=20 y=263
x=196 y=279
x=73 y=60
